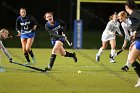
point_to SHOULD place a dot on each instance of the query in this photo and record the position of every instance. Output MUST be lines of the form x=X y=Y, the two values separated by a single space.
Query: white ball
x=79 y=71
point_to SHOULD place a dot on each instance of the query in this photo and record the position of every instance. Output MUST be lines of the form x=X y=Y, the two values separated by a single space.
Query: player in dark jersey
x=55 y=29
x=26 y=26
x=134 y=13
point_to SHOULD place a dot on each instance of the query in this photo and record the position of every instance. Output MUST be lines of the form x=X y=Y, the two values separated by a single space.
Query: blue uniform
x=25 y=25
x=56 y=31
x=135 y=19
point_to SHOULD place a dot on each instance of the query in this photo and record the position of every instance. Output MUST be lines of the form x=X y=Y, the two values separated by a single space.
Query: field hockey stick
x=120 y=51
x=31 y=67
x=68 y=42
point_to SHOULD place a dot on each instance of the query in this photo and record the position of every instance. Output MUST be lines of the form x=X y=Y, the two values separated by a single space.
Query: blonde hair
x=4 y=31
x=123 y=14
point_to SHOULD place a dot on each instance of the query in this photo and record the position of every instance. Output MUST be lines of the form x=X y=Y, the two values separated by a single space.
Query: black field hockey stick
x=31 y=67
x=120 y=51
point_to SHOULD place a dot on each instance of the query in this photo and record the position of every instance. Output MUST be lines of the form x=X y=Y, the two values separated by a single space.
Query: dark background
x=94 y=15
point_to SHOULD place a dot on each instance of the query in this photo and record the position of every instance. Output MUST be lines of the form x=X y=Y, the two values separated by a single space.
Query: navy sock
x=68 y=54
x=31 y=53
x=27 y=57
x=52 y=59
x=136 y=67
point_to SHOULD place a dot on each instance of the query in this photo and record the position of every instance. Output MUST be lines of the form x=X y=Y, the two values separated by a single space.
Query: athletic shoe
x=138 y=83
x=2 y=69
x=27 y=63
x=74 y=57
x=125 y=68
x=33 y=60
x=97 y=58
x=48 y=68
x=112 y=59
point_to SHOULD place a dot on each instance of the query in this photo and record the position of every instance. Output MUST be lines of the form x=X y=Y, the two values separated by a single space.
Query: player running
x=134 y=13
x=55 y=29
x=26 y=26
x=3 y=35
x=109 y=36
x=126 y=25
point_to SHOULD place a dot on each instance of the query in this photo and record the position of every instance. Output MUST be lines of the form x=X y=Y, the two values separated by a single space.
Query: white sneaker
x=49 y=67
x=97 y=58
x=138 y=83
x=112 y=60
x=27 y=63
x=33 y=60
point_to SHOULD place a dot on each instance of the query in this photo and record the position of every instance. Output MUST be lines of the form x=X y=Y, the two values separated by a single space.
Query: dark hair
x=131 y=4
x=22 y=8
x=52 y=13
x=111 y=17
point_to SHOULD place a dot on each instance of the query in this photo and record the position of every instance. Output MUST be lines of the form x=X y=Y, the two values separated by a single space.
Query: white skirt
x=107 y=37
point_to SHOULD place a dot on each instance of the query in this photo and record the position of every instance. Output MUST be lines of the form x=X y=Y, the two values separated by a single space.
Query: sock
x=128 y=63
x=52 y=59
x=31 y=53
x=27 y=57
x=68 y=54
x=112 y=53
x=136 y=67
x=100 y=51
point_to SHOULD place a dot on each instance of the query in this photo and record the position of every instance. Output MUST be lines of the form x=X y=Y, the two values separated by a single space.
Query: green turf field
x=103 y=77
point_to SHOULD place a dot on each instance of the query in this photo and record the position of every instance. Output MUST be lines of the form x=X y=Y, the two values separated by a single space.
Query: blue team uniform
x=25 y=25
x=56 y=31
x=135 y=18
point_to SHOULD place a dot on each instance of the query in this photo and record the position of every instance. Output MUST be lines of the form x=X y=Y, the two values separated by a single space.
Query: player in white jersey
x=3 y=35
x=126 y=25
x=109 y=35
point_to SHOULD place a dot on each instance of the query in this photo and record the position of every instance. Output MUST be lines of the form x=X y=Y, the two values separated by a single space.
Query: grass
x=103 y=77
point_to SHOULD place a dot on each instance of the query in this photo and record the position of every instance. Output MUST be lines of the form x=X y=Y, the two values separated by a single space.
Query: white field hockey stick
x=70 y=44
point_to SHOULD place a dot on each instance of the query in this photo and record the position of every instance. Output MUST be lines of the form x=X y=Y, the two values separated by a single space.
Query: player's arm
x=62 y=24
x=52 y=33
x=34 y=21
x=18 y=27
x=118 y=30
x=5 y=51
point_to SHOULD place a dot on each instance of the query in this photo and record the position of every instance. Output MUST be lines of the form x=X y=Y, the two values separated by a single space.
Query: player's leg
x=126 y=67
x=56 y=47
x=134 y=54
x=104 y=45
x=28 y=48
x=112 y=53
x=67 y=54
x=23 y=42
